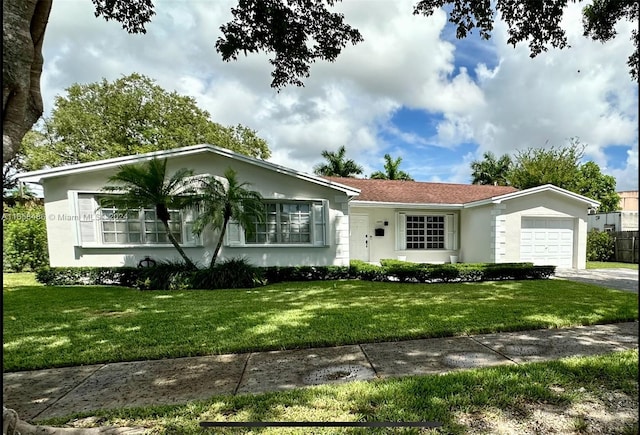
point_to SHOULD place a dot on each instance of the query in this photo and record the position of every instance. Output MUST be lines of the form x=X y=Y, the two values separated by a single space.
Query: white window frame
x=318 y=226
x=450 y=230
x=86 y=216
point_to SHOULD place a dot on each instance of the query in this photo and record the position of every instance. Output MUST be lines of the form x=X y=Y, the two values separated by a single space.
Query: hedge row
x=238 y=273
x=464 y=272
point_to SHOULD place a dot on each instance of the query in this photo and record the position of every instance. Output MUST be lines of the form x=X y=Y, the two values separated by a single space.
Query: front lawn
x=65 y=326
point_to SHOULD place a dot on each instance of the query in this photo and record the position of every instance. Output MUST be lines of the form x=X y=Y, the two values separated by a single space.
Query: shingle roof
x=417 y=192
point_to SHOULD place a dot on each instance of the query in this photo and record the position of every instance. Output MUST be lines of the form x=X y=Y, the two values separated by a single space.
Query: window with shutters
x=285 y=223
x=139 y=226
x=418 y=231
x=107 y=226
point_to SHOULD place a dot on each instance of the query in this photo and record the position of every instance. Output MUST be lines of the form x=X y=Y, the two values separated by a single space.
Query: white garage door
x=547 y=241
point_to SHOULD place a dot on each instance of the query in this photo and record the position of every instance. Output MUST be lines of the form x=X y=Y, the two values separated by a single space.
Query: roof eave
x=422 y=206
x=38 y=176
x=543 y=188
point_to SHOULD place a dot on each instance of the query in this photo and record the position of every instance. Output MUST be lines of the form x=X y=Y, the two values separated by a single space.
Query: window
x=143 y=227
x=425 y=232
x=284 y=223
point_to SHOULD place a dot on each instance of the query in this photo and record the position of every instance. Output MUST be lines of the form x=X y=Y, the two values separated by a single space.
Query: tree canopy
x=491 y=170
x=337 y=165
x=131 y=115
x=297 y=32
x=592 y=183
x=391 y=170
x=560 y=166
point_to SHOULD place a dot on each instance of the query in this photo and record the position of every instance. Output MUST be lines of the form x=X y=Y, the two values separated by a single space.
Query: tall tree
x=561 y=167
x=592 y=183
x=336 y=165
x=556 y=165
x=223 y=200
x=297 y=32
x=391 y=170
x=145 y=185
x=131 y=115
x=490 y=170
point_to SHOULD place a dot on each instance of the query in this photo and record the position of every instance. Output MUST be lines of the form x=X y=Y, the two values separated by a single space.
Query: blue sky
x=411 y=89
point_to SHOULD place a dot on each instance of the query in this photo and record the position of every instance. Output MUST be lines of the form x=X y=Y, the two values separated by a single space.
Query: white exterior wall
x=545 y=205
x=476 y=244
x=271 y=184
x=385 y=247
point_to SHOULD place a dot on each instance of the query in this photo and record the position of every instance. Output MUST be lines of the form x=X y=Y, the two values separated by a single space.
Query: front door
x=359 y=237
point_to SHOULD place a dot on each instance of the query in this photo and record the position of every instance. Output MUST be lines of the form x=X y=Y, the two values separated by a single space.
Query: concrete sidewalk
x=41 y=394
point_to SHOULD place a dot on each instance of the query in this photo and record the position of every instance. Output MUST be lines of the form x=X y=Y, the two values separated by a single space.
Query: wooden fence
x=626 y=246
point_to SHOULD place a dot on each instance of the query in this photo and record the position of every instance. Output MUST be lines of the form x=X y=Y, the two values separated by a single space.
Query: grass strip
x=610 y=265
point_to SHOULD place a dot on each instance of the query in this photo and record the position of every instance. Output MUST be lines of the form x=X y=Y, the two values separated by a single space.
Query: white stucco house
x=312 y=220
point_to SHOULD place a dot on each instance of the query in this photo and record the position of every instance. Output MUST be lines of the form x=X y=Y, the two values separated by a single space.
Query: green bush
x=275 y=274
x=123 y=276
x=600 y=246
x=25 y=238
x=239 y=273
x=165 y=275
x=231 y=273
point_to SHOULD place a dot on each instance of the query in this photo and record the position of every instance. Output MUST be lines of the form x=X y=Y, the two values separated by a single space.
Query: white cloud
x=584 y=91
x=504 y=103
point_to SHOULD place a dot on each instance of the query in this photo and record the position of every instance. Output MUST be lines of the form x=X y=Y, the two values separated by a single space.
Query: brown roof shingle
x=418 y=192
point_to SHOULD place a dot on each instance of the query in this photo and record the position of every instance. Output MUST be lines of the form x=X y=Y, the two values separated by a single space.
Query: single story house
x=313 y=220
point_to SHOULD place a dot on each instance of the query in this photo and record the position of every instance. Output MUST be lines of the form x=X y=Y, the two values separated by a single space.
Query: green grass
x=65 y=326
x=19 y=279
x=486 y=392
x=610 y=265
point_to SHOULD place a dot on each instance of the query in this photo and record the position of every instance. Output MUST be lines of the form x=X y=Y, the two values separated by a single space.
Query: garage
x=547 y=241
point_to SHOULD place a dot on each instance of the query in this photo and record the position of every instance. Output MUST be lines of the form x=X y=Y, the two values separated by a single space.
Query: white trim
x=531 y=191
x=40 y=175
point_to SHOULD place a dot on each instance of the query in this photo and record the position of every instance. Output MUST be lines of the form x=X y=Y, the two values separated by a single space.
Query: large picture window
x=425 y=232
x=284 y=223
x=142 y=226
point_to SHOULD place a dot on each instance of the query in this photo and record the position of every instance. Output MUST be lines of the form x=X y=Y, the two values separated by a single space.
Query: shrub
x=600 y=246
x=123 y=276
x=165 y=275
x=25 y=238
x=365 y=271
x=231 y=273
x=239 y=273
x=275 y=274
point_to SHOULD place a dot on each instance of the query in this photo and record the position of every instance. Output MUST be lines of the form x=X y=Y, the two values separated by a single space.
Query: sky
x=411 y=89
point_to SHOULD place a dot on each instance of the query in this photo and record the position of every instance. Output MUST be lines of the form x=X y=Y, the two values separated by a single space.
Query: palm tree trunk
x=176 y=245
x=223 y=230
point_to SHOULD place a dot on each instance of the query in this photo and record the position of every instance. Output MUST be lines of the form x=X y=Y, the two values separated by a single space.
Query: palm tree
x=145 y=185
x=392 y=171
x=221 y=201
x=491 y=171
x=336 y=165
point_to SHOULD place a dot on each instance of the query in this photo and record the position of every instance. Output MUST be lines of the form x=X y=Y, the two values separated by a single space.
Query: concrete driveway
x=619 y=279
